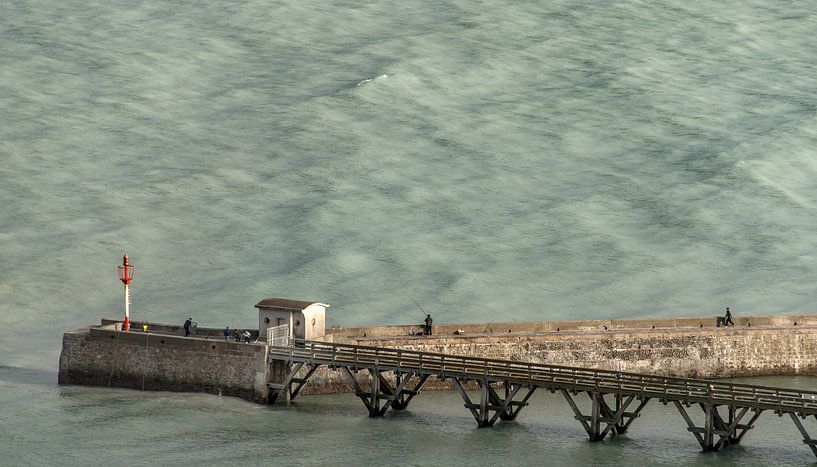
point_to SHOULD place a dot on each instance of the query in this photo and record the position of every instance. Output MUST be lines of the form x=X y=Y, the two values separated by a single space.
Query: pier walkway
x=616 y=399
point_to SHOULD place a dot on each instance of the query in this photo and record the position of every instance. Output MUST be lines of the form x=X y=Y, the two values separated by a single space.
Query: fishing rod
x=418 y=306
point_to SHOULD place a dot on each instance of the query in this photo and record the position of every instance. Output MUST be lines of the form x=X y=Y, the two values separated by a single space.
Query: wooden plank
x=579 y=415
x=690 y=425
x=464 y=395
x=302 y=381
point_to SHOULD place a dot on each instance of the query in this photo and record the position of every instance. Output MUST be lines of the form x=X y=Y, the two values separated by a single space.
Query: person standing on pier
x=187 y=324
x=227 y=333
x=727 y=320
x=427 y=328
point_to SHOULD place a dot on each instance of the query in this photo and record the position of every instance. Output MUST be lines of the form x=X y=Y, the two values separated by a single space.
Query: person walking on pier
x=187 y=324
x=427 y=327
x=727 y=320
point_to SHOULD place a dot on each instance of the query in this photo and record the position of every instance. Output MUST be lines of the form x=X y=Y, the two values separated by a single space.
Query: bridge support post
x=504 y=408
x=512 y=407
x=616 y=419
x=382 y=395
x=404 y=396
x=285 y=387
x=807 y=439
x=729 y=431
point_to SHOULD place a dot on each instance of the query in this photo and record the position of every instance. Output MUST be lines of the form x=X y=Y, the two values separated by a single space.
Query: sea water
x=494 y=161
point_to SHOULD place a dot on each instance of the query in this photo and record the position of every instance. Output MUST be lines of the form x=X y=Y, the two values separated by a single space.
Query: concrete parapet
x=172 y=329
x=351 y=334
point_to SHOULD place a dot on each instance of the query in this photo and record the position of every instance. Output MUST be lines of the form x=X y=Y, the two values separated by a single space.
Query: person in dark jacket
x=427 y=327
x=727 y=320
x=187 y=326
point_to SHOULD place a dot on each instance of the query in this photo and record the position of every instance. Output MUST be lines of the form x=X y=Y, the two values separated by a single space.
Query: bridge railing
x=579 y=379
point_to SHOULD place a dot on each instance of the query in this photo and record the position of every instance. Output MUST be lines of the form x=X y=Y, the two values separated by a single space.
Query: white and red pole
x=126 y=275
x=127 y=308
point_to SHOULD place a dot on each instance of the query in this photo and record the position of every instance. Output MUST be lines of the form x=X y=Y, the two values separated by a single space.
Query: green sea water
x=494 y=161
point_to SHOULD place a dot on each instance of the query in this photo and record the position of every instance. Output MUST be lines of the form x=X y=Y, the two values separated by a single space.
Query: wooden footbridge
x=505 y=387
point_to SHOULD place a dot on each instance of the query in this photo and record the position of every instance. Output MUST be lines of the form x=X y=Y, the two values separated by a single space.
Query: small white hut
x=306 y=320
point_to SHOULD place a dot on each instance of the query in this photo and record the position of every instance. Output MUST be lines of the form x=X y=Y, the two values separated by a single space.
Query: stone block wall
x=695 y=348
x=693 y=352
x=106 y=357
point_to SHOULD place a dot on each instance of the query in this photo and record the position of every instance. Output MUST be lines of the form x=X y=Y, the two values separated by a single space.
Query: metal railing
x=279 y=335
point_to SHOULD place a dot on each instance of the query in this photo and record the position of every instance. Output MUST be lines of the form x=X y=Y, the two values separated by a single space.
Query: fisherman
x=427 y=328
x=187 y=326
x=727 y=320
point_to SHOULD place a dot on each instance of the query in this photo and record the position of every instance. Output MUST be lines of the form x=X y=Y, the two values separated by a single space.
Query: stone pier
x=163 y=359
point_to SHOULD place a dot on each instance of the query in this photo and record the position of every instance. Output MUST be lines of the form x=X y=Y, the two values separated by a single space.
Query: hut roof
x=286 y=304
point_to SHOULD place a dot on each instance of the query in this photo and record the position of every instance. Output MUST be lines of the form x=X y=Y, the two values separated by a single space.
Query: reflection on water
x=26 y=375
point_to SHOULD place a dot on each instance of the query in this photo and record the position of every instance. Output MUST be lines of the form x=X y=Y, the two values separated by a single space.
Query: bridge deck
x=551 y=376
x=738 y=399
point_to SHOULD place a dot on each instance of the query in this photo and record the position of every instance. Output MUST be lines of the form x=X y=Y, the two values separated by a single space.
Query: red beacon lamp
x=126 y=275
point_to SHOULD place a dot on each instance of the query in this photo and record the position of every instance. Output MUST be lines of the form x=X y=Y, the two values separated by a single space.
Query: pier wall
x=103 y=356
x=693 y=348
x=688 y=347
